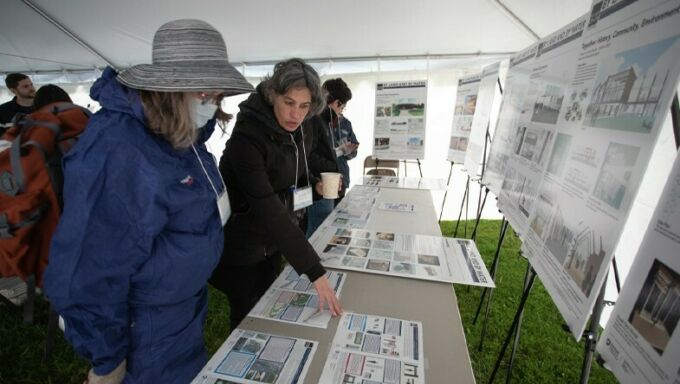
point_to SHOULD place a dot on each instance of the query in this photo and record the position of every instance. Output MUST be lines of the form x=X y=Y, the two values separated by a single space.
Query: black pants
x=245 y=284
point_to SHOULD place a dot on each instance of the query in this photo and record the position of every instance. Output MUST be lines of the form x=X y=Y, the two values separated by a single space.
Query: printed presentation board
x=256 y=357
x=375 y=349
x=480 y=120
x=641 y=342
x=464 y=110
x=404 y=182
x=512 y=104
x=292 y=299
x=626 y=73
x=399 y=131
x=534 y=131
x=422 y=257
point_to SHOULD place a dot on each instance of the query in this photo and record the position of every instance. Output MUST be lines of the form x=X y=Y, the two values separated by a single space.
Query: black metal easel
x=463 y=203
x=446 y=191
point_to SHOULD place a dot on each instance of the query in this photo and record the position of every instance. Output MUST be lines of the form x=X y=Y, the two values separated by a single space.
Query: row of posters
x=480 y=120
x=464 y=110
x=413 y=256
x=256 y=357
x=399 y=132
x=375 y=349
x=640 y=343
x=575 y=134
x=292 y=299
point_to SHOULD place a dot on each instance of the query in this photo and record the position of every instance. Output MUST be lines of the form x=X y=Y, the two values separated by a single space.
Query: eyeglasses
x=212 y=98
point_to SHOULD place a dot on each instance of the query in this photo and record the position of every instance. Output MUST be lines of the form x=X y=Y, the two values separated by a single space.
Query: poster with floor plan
x=625 y=75
x=641 y=342
x=399 y=131
x=256 y=357
x=512 y=109
x=535 y=128
x=414 y=256
x=375 y=349
x=293 y=299
x=464 y=110
x=481 y=120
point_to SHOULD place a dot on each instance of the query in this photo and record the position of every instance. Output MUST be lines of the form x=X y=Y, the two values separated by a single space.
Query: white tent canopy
x=41 y=36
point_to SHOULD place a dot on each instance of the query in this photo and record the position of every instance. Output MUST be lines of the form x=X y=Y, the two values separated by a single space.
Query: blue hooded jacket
x=139 y=236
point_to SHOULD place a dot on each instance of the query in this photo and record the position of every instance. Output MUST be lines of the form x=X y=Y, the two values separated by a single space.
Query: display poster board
x=480 y=120
x=404 y=182
x=641 y=342
x=625 y=75
x=399 y=132
x=256 y=357
x=422 y=257
x=375 y=349
x=512 y=104
x=293 y=299
x=464 y=110
x=531 y=142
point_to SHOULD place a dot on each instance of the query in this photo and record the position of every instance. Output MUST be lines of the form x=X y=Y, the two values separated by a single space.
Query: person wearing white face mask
x=144 y=207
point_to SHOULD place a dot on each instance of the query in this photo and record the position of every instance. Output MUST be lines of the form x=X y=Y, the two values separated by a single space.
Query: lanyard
x=297 y=156
x=206 y=173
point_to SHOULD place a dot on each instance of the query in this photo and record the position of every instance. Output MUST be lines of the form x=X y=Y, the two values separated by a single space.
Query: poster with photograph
x=480 y=120
x=375 y=349
x=640 y=343
x=512 y=104
x=404 y=182
x=399 y=132
x=464 y=109
x=293 y=299
x=625 y=76
x=533 y=134
x=255 y=357
x=422 y=257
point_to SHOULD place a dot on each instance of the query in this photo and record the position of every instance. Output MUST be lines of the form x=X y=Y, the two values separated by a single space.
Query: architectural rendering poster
x=255 y=357
x=641 y=342
x=375 y=349
x=480 y=120
x=516 y=87
x=626 y=75
x=466 y=99
x=293 y=299
x=399 y=132
x=535 y=126
x=414 y=256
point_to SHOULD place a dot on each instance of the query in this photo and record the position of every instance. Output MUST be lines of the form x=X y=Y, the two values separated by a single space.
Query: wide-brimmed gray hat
x=188 y=56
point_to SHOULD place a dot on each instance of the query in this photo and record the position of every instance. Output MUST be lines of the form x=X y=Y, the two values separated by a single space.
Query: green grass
x=546 y=354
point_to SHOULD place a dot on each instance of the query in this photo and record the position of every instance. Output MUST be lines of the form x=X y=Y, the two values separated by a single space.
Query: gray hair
x=294 y=73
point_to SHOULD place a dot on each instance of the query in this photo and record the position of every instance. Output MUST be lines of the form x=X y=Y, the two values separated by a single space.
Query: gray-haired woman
x=265 y=167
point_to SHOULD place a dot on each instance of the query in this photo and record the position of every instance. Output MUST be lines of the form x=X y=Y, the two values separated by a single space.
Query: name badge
x=224 y=207
x=302 y=198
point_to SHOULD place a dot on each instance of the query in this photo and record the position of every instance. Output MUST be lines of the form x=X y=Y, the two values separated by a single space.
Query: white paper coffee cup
x=331 y=184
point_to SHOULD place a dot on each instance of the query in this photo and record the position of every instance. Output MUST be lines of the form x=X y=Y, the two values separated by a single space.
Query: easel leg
x=515 y=322
x=508 y=372
x=494 y=268
x=462 y=203
x=479 y=214
x=446 y=191
x=591 y=334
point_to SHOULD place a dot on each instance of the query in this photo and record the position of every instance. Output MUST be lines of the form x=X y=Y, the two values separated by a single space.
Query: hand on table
x=327 y=296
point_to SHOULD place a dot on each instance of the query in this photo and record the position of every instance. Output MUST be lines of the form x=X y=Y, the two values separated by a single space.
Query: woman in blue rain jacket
x=141 y=229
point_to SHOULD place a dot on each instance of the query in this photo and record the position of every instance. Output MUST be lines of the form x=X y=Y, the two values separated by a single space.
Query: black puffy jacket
x=258 y=167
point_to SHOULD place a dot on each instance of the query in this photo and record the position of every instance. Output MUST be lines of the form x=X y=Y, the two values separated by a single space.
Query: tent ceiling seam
x=517 y=19
x=66 y=31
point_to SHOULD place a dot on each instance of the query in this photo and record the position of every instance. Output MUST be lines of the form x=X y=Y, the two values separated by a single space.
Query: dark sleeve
x=321 y=155
x=246 y=160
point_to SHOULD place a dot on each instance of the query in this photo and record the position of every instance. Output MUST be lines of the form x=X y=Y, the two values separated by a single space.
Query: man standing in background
x=24 y=92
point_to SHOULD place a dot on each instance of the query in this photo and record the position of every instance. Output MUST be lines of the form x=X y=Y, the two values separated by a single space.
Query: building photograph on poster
x=628 y=87
x=657 y=309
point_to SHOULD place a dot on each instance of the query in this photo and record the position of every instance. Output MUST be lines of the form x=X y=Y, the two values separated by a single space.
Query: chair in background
x=378 y=167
